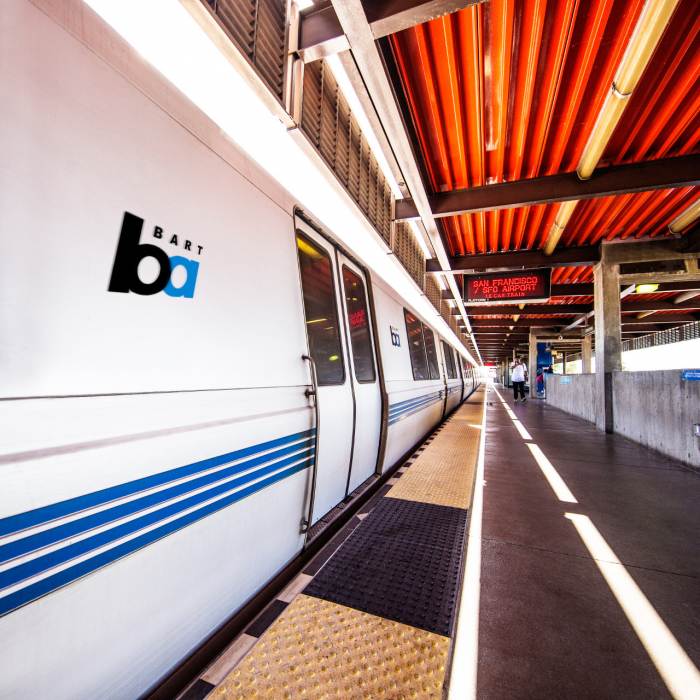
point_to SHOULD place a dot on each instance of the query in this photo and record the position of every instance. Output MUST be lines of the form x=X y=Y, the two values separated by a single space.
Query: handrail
x=306 y=522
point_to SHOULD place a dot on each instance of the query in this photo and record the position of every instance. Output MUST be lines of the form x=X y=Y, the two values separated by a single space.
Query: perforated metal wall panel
x=257 y=27
x=408 y=252
x=331 y=127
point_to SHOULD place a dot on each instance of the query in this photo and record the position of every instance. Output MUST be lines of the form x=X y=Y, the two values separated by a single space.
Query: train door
x=444 y=378
x=322 y=294
x=364 y=375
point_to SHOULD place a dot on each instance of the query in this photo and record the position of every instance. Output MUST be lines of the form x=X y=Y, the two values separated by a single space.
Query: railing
x=689 y=331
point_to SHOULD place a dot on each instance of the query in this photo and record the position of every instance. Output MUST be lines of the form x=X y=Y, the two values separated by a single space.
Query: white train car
x=192 y=374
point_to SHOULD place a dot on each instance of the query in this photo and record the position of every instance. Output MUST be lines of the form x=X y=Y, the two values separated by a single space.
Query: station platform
x=373 y=615
x=589 y=574
x=590 y=561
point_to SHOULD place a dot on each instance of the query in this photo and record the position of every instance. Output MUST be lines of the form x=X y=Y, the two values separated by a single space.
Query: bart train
x=193 y=373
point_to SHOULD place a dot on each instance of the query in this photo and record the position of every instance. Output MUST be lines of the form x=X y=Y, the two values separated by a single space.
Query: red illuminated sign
x=506 y=287
x=358 y=319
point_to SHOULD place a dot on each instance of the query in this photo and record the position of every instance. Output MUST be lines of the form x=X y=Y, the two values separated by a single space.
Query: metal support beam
x=518 y=260
x=322 y=31
x=633 y=251
x=664 y=173
x=353 y=20
x=530 y=309
x=480 y=323
x=675 y=319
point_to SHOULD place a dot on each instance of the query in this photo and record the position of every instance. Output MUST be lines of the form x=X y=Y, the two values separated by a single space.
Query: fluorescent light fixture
x=558 y=485
x=466 y=640
x=650 y=26
x=304 y=4
x=646 y=288
x=188 y=58
x=686 y=217
x=678 y=672
x=566 y=209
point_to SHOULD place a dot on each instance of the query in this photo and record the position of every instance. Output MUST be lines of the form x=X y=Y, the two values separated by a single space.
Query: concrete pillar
x=532 y=365
x=586 y=348
x=608 y=340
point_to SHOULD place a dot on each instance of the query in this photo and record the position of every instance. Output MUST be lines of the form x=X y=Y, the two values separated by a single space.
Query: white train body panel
x=156 y=449
x=415 y=407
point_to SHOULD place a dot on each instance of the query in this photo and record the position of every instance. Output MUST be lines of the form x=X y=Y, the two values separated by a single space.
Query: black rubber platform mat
x=402 y=563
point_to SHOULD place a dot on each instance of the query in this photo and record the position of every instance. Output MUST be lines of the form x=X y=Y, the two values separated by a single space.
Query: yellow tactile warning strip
x=443 y=472
x=317 y=649
x=320 y=649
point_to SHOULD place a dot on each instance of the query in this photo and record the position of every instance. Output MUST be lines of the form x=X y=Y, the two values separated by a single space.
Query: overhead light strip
x=648 y=31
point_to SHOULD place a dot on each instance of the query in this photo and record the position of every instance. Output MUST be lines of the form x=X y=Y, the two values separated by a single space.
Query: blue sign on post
x=690 y=375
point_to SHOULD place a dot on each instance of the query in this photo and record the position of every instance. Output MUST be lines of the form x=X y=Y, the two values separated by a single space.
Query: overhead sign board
x=508 y=287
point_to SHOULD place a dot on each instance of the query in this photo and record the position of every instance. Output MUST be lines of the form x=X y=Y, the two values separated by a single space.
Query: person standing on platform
x=518 y=374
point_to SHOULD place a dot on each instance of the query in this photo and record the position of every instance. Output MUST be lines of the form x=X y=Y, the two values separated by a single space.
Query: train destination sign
x=508 y=287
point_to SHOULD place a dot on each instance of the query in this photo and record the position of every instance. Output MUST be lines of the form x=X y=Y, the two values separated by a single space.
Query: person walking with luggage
x=518 y=376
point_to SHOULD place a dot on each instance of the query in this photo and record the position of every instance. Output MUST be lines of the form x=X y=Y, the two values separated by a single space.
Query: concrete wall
x=658 y=409
x=573 y=393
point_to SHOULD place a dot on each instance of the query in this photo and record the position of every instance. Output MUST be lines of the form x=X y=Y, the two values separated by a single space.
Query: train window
x=449 y=361
x=321 y=312
x=431 y=352
x=416 y=346
x=358 y=320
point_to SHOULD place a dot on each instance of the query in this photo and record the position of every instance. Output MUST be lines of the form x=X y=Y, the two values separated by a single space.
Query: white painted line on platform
x=521 y=429
x=465 y=657
x=678 y=672
x=552 y=475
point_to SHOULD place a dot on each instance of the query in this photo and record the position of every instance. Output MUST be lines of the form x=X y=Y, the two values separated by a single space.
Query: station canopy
x=539 y=129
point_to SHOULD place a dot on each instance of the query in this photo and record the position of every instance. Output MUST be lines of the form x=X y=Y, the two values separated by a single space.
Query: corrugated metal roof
x=510 y=89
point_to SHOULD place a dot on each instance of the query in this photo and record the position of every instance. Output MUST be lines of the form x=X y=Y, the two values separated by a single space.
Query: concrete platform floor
x=551 y=625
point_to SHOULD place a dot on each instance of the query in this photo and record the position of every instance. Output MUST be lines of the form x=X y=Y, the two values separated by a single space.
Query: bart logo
x=130 y=252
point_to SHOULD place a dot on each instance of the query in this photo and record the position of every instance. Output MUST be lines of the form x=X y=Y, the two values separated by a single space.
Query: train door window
x=358 y=321
x=416 y=346
x=320 y=307
x=449 y=360
x=431 y=352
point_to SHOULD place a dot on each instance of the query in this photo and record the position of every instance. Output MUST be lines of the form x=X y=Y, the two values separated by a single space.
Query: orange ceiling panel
x=510 y=89
x=572 y=275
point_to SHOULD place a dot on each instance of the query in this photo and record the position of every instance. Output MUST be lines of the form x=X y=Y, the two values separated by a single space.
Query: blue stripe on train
x=89 y=522
x=406 y=408
x=71 y=551
x=63 y=578
x=412 y=407
x=39 y=516
x=402 y=405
